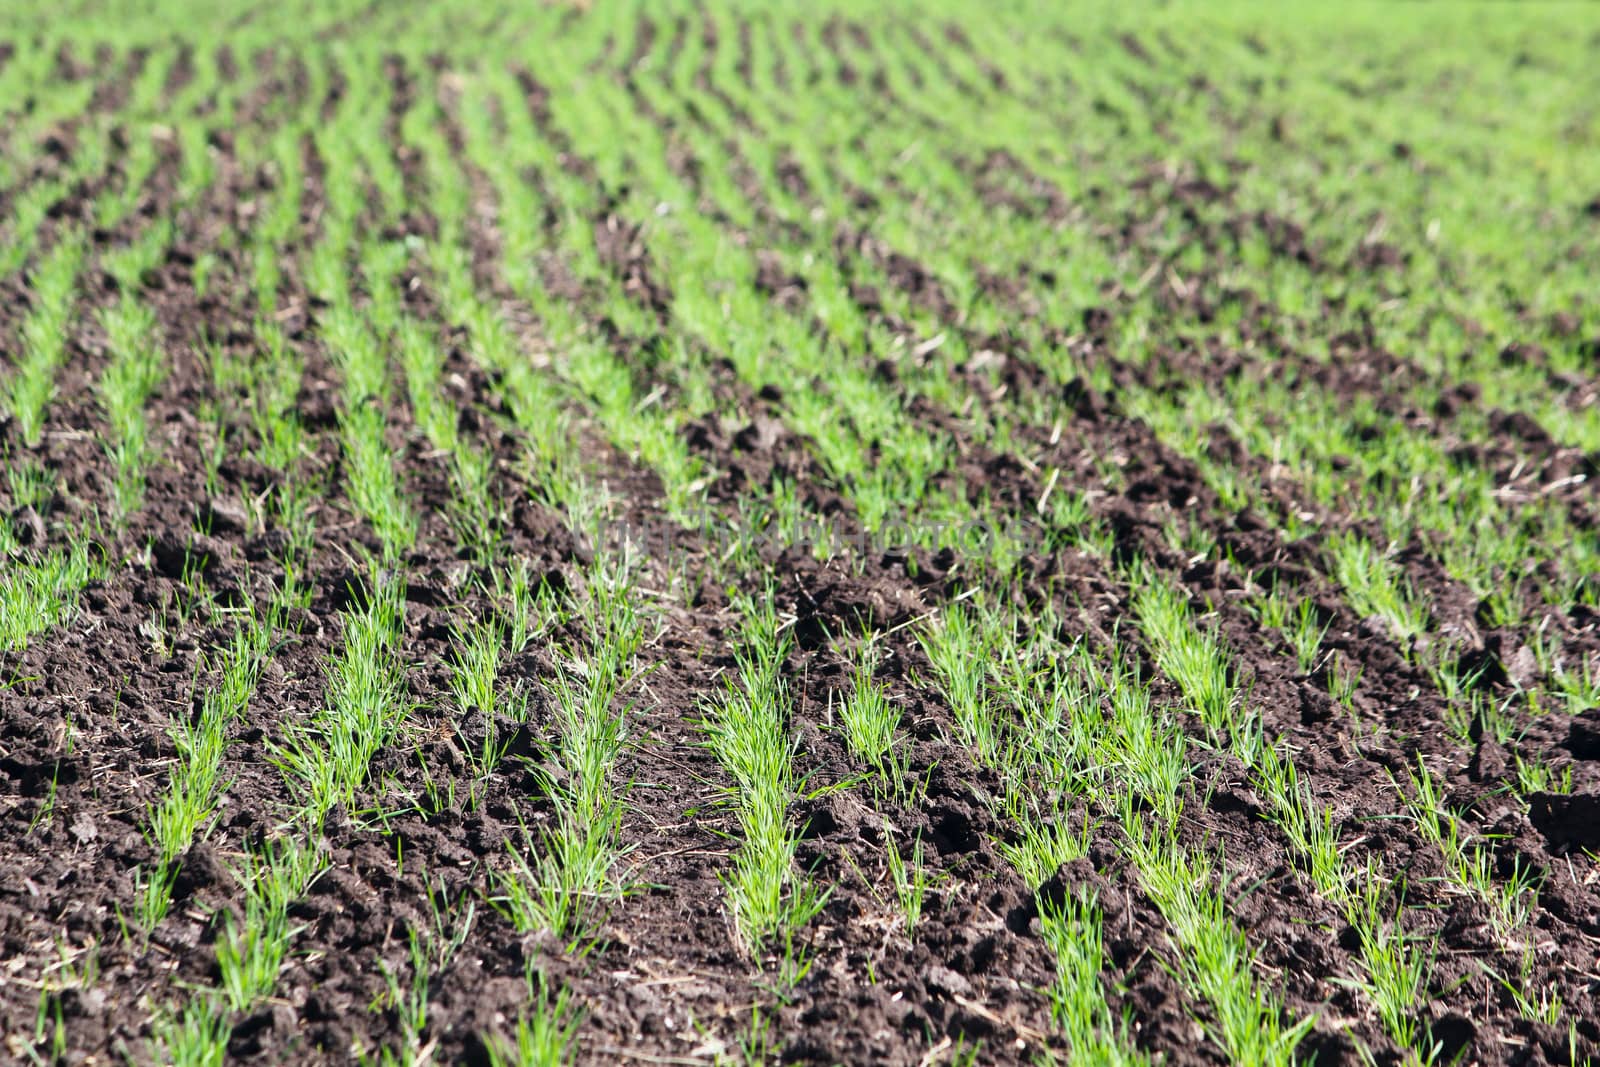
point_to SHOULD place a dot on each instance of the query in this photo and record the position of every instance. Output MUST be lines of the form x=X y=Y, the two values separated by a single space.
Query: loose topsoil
x=87 y=710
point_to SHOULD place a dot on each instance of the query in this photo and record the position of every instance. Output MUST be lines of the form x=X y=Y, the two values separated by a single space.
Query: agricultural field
x=742 y=533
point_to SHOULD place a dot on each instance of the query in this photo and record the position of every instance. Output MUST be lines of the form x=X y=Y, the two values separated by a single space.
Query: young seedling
x=1072 y=930
x=47 y=807
x=747 y=729
x=1376 y=589
x=44 y=335
x=429 y=950
x=252 y=949
x=1344 y=679
x=574 y=877
x=958 y=645
x=327 y=756
x=1536 y=775
x=1533 y=1004
x=911 y=879
x=1469 y=865
x=1193 y=657
x=1397 y=969
x=195 y=1036
x=1213 y=954
x=869 y=718
x=40 y=594
x=546 y=1034
x=474 y=680
x=1043 y=841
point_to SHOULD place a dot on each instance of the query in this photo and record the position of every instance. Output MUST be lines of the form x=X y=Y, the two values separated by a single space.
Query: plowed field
x=844 y=534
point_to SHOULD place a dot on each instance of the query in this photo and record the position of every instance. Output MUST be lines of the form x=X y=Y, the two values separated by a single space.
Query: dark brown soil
x=87 y=711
